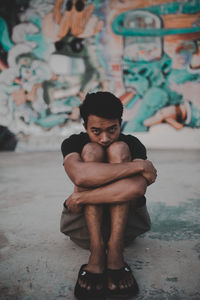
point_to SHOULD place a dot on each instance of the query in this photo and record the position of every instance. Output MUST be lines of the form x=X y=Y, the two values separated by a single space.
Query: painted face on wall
x=135 y=77
x=103 y=131
x=140 y=76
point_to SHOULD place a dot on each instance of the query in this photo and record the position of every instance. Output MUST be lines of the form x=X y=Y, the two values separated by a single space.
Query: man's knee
x=93 y=152
x=118 y=152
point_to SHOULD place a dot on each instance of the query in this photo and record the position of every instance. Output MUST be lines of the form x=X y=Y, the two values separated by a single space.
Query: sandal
x=118 y=275
x=94 y=279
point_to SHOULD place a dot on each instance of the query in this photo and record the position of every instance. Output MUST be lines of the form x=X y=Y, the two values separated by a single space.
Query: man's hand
x=149 y=173
x=72 y=203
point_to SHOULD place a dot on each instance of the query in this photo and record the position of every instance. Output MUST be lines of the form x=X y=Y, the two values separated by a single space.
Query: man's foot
x=91 y=278
x=121 y=283
x=85 y=280
x=120 y=279
x=93 y=285
x=95 y=265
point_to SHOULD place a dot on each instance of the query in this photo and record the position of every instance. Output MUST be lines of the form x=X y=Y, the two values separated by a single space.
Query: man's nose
x=105 y=138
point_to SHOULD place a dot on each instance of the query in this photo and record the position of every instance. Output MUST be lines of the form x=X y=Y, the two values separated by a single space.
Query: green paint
x=191 y=7
x=178 y=7
x=43 y=49
x=4 y=36
x=167 y=8
x=152 y=32
x=182 y=76
x=133 y=101
x=51 y=120
x=175 y=222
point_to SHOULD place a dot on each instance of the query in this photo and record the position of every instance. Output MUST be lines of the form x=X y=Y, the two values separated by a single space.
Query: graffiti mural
x=53 y=52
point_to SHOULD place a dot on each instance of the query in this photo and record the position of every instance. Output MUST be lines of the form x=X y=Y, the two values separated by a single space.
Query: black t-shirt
x=76 y=142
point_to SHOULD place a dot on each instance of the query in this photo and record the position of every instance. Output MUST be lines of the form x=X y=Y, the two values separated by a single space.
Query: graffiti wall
x=52 y=52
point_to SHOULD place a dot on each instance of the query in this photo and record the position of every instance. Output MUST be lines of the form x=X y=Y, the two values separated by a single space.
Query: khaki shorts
x=74 y=225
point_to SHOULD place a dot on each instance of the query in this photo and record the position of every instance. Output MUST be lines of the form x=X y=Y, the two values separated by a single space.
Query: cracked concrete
x=37 y=262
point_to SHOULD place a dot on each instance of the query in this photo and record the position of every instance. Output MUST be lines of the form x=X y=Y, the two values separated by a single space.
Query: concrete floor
x=39 y=263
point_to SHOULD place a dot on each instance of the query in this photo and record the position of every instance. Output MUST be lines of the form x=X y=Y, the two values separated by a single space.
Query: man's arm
x=96 y=174
x=123 y=190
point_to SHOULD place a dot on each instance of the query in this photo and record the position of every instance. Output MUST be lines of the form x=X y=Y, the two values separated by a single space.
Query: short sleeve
x=70 y=145
x=140 y=150
x=74 y=143
x=137 y=149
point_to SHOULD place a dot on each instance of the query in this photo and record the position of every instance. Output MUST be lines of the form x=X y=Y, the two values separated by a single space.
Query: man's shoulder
x=76 y=137
x=128 y=138
x=138 y=150
x=74 y=143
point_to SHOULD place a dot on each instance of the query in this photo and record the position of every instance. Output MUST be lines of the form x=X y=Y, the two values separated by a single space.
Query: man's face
x=103 y=131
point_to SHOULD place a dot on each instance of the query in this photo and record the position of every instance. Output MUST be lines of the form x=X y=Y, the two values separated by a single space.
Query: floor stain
x=63 y=291
x=172 y=279
x=11 y=293
x=175 y=222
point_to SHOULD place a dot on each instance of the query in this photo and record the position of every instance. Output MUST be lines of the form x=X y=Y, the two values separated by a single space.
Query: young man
x=107 y=209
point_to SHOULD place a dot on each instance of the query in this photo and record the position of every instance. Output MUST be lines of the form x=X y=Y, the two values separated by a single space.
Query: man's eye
x=96 y=132
x=112 y=130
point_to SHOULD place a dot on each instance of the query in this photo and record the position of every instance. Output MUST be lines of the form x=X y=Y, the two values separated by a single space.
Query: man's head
x=102 y=116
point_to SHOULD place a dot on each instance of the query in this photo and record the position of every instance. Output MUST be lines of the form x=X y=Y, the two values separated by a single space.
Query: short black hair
x=101 y=104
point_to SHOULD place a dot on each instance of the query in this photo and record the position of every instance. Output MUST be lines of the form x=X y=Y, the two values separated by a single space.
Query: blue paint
x=4 y=36
x=119 y=30
x=44 y=48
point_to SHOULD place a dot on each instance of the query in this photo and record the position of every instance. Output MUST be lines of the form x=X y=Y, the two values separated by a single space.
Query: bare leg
x=93 y=216
x=117 y=153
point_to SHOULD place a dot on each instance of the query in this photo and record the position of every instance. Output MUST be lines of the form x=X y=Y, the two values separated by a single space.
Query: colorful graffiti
x=53 y=52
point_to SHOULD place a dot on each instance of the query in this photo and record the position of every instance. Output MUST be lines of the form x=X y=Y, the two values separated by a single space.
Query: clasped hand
x=72 y=203
x=149 y=172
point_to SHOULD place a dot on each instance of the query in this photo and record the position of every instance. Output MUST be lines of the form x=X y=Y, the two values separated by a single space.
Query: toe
x=130 y=282
x=111 y=285
x=88 y=287
x=80 y=282
x=121 y=284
